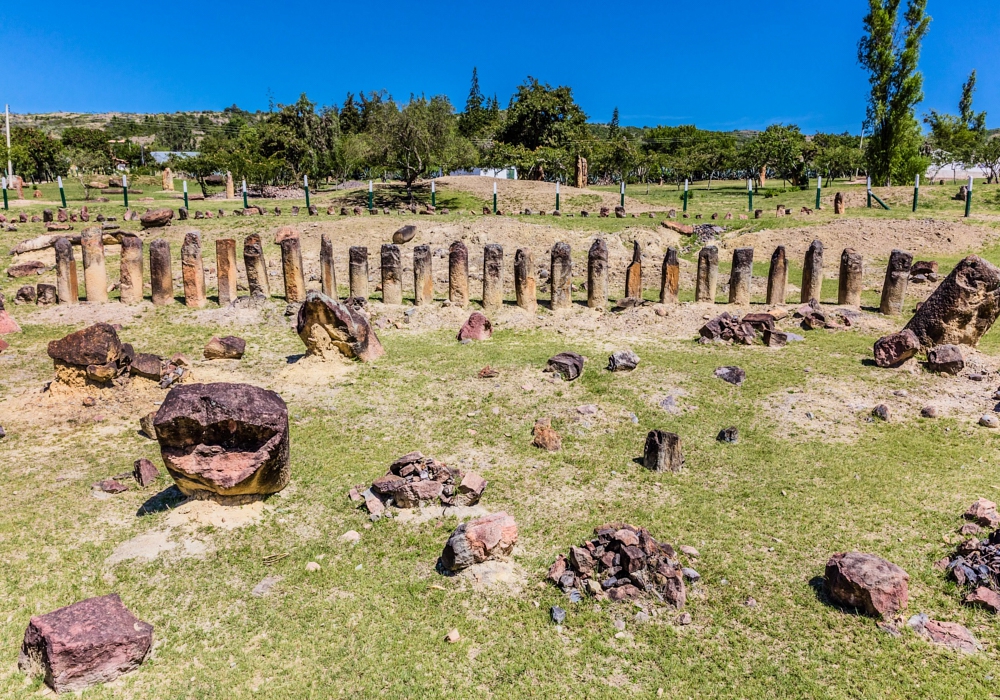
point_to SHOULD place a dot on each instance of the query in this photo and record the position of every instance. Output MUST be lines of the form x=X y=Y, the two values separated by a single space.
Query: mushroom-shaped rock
x=93 y=641
x=867 y=582
x=477 y=327
x=473 y=542
x=224 y=439
x=95 y=345
x=156 y=218
x=329 y=327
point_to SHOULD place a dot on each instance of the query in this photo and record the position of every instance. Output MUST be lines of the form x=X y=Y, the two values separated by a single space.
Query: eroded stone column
x=193 y=270
x=357 y=268
x=67 y=287
x=327 y=270
x=392 y=274
x=131 y=270
x=458 y=274
x=597 y=275
x=423 y=278
x=633 y=274
x=741 y=276
x=253 y=259
x=561 y=277
x=708 y=274
x=894 y=288
x=851 y=274
x=525 y=285
x=291 y=266
x=777 y=277
x=812 y=273
x=95 y=274
x=225 y=265
x=492 y=277
x=161 y=277
x=670 y=277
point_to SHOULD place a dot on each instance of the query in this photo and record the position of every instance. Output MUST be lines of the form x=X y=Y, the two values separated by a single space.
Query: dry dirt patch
x=516 y=195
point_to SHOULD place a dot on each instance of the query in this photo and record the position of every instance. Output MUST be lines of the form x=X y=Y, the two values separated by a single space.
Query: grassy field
x=765 y=513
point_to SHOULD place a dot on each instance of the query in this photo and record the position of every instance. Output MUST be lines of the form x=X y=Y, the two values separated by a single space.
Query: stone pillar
x=633 y=274
x=777 y=278
x=812 y=273
x=225 y=264
x=357 y=268
x=327 y=270
x=597 y=275
x=524 y=280
x=67 y=287
x=458 y=274
x=253 y=259
x=131 y=270
x=392 y=274
x=838 y=203
x=670 y=277
x=740 y=277
x=168 y=180
x=492 y=277
x=581 y=172
x=193 y=270
x=291 y=268
x=161 y=277
x=561 y=277
x=230 y=189
x=95 y=275
x=894 y=288
x=708 y=274
x=423 y=278
x=851 y=273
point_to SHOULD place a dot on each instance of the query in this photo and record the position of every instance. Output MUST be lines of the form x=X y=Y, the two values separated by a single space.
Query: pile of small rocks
x=707 y=232
x=622 y=562
x=976 y=562
x=414 y=479
x=726 y=328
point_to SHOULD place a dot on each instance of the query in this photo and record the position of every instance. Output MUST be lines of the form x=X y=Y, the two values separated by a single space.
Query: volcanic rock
x=156 y=218
x=866 y=582
x=228 y=347
x=95 y=345
x=569 y=365
x=490 y=537
x=945 y=358
x=328 y=327
x=892 y=350
x=476 y=327
x=623 y=361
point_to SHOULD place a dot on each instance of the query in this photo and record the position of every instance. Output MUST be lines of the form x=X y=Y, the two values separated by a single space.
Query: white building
x=498 y=173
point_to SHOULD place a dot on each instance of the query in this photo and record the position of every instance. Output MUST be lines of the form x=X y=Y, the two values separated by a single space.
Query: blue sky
x=720 y=65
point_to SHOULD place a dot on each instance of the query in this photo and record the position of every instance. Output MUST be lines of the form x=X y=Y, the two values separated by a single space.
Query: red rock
x=7 y=324
x=410 y=494
x=476 y=541
x=557 y=569
x=679 y=228
x=470 y=490
x=867 y=582
x=674 y=591
x=156 y=218
x=895 y=349
x=111 y=486
x=945 y=358
x=285 y=233
x=328 y=326
x=3 y=345
x=545 y=437
x=95 y=345
x=145 y=472
x=632 y=559
x=93 y=641
x=228 y=347
x=569 y=365
x=26 y=269
x=628 y=538
x=948 y=634
x=224 y=439
x=146 y=365
x=582 y=560
x=984 y=512
x=626 y=592
x=984 y=598
x=477 y=327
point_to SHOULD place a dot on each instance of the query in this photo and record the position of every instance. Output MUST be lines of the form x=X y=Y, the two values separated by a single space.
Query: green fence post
x=968 y=199
x=494 y=196
x=749 y=194
x=305 y=182
x=557 y=196
x=819 y=192
x=62 y=192
x=185 y=184
x=433 y=194
x=869 y=192
x=371 y=196
x=623 y=193
x=5 y=193
x=125 y=188
x=916 y=191
x=685 y=195
x=246 y=204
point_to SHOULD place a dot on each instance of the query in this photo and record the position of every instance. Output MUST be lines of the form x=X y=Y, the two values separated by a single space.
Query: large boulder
x=156 y=218
x=476 y=327
x=866 y=582
x=473 y=542
x=224 y=440
x=963 y=307
x=95 y=345
x=93 y=641
x=404 y=234
x=894 y=349
x=329 y=327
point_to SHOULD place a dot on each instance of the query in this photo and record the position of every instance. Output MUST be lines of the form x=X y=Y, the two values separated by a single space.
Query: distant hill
x=54 y=123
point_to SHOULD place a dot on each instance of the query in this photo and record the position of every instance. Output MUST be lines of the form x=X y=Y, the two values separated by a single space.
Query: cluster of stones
x=975 y=565
x=489 y=537
x=60 y=220
x=413 y=480
x=622 y=562
x=95 y=355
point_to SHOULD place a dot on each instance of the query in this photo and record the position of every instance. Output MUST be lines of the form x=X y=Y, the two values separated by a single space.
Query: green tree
x=957 y=139
x=473 y=122
x=890 y=51
x=34 y=154
x=776 y=150
x=350 y=116
x=540 y=115
x=989 y=158
x=613 y=126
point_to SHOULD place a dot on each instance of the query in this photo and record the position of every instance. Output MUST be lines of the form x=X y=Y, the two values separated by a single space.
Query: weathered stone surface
x=67 y=286
x=740 y=277
x=838 y=203
x=895 y=349
x=732 y=375
x=392 y=274
x=25 y=295
x=561 y=277
x=226 y=271
x=327 y=270
x=492 y=277
x=851 y=275
x=866 y=582
x=545 y=437
x=623 y=361
x=524 y=280
x=156 y=218
x=633 y=274
x=568 y=364
x=46 y=294
x=7 y=323
x=95 y=274
x=147 y=366
x=357 y=260
x=670 y=276
x=328 y=326
x=458 y=274
x=708 y=275
x=946 y=634
x=490 y=537
x=160 y=275
x=812 y=273
x=95 y=345
x=131 y=282
x=193 y=271
x=775 y=339
x=404 y=234
x=983 y=512
x=662 y=452
x=224 y=439
x=897 y=274
x=963 y=307
x=291 y=264
x=145 y=472
x=26 y=269
x=597 y=274
x=256 y=266
x=90 y=642
x=476 y=327
x=983 y=597
x=945 y=358
x=423 y=276
x=228 y=347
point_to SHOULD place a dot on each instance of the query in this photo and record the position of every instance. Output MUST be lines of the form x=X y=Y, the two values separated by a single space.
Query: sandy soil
x=516 y=195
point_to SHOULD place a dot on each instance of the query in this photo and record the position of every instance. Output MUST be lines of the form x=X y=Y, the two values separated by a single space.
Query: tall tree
x=613 y=126
x=472 y=122
x=957 y=139
x=541 y=115
x=890 y=52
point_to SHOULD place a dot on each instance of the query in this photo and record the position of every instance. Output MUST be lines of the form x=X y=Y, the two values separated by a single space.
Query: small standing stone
x=160 y=274
x=256 y=266
x=812 y=273
x=633 y=274
x=851 y=274
x=423 y=279
x=740 y=277
x=492 y=277
x=358 y=271
x=894 y=289
x=131 y=270
x=524 y=280
x=670 y=277
x=662 y=452
x=291 y=265
x=95 y=275
x=67 y=286
x=327 y=271
x=392 y=274
x=193 y=270
x=708 y=274
x=458 y=274
x=561 y=277
x=777 y=277
x=597 y=275
x=225 y=263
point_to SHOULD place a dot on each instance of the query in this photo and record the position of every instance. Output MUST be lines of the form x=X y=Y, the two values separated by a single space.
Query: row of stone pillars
x=525 y=283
